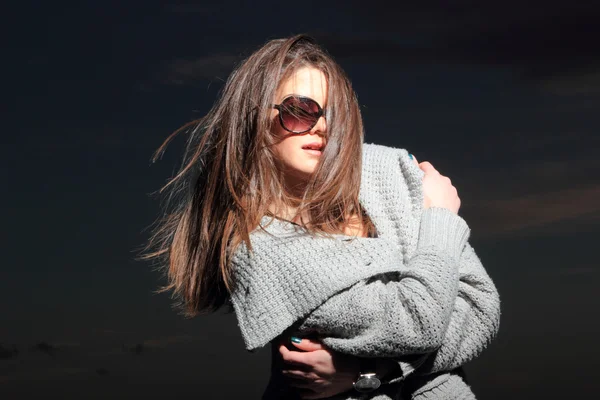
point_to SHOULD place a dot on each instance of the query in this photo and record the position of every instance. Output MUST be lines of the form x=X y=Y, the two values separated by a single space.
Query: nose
x=320 y=126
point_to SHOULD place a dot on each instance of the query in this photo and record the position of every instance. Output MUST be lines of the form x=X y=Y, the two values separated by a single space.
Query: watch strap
x=367 y=366
x=367 y=379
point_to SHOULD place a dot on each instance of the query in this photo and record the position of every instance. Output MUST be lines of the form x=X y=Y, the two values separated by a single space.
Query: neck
x=294 y=187
x=287 y=213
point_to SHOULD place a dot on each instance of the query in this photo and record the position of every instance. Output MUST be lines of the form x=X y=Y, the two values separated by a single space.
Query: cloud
x=545 y=189
x=579 y=271
x=191 y=8
x=537 y=214
x=537 y=43
x=558 y=170
x=538 y=165
x=37 y=373
x=578 y=83
x=108 y=331
x=110 y=355
x=169 y=340
x=525 y=146
x=181 y=72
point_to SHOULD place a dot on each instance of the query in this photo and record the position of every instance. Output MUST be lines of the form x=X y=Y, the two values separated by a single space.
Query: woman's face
x=298 y=161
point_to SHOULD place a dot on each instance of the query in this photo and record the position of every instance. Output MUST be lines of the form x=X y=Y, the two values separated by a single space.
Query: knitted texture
x=417 y=288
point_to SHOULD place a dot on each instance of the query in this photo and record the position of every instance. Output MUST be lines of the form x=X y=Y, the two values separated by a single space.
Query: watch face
x=367 y=383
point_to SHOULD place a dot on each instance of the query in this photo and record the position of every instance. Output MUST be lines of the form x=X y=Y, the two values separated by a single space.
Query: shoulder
x=375 y=151
x=380 y=157
x=391 y=192
x=386 y=165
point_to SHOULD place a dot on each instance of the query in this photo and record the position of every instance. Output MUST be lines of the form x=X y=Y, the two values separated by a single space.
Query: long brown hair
x=229 y=174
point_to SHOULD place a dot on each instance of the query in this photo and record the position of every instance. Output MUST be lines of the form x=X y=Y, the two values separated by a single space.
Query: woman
x=285 y=212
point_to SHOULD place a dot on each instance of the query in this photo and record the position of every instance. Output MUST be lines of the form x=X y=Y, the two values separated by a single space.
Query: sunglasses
x=298 y=114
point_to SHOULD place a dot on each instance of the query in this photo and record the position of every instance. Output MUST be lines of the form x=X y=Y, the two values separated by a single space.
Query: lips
x=313 y=146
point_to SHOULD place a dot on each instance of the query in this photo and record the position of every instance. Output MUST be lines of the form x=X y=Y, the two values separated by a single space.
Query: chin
x=303 y=172
x=300 y=169
x=306 y=170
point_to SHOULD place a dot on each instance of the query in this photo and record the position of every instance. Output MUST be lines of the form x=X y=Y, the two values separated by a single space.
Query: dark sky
x=502 y=97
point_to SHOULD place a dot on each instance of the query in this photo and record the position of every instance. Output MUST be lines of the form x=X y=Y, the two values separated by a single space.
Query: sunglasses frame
x=278 y=107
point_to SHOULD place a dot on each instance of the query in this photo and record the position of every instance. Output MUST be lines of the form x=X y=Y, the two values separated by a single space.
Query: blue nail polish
x=296 y=340
x=411 y=156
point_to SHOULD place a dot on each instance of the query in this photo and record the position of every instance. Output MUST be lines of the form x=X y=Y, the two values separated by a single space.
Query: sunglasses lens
x=299 y=114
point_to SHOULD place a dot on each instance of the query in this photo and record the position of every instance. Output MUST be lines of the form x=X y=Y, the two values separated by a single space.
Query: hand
x=437 y=189
x=315 y=371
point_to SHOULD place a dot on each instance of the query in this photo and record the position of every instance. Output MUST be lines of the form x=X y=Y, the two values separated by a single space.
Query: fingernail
x=411 y=156
x=296 y=340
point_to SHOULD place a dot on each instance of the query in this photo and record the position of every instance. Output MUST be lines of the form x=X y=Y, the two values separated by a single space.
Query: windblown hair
x=229 y=175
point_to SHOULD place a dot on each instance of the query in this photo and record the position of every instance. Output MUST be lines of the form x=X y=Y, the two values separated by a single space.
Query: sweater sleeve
x=404 y=312
x=474 y=321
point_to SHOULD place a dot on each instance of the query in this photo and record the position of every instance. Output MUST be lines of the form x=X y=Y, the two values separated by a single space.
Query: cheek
x=288 y=153
x=278 y=133
x=285 y=150
x=285 y=141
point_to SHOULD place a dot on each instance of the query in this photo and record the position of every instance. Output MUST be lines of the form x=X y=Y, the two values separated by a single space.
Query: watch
x=367 y=379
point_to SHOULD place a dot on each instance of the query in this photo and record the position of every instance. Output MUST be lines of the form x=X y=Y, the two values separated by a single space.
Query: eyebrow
x=323 y=106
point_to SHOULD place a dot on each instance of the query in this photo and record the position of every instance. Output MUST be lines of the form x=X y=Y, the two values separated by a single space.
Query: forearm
x=474 y=322
x=407 y=313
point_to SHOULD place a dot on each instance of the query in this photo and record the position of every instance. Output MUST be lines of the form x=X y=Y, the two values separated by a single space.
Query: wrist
x=368 y=379
x=387 y=369
x=441 y=228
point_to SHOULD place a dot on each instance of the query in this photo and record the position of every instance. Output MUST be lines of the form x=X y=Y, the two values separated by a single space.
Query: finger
x=298 y=383
x=287 y=355
x=308 y=345
x=294 y=357
x=415 y=159
x=298 y=375
x=427 y=167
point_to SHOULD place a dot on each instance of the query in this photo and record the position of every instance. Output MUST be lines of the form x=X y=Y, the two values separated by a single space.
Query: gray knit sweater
x=416 y=293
